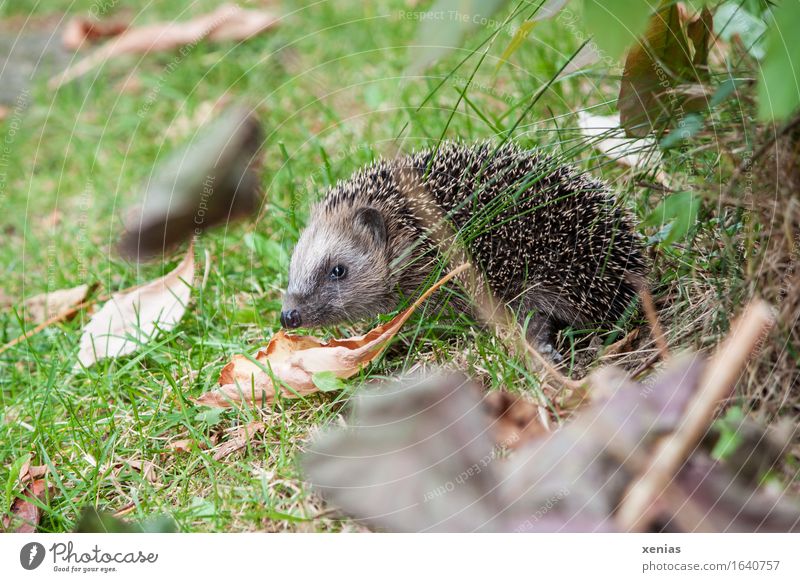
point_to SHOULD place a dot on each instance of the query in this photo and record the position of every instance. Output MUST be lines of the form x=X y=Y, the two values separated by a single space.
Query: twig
x=617 y=346
x=125 y=510
x=655 y=325
x=54 y=319
x=654 y=186
x=549 y=369
x=646 y=365
x=717 y=381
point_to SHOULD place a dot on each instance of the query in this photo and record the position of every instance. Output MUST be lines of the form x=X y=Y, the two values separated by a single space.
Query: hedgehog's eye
x=338 y=272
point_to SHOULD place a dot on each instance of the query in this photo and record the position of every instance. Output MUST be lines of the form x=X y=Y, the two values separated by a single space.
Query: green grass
x=328 y=87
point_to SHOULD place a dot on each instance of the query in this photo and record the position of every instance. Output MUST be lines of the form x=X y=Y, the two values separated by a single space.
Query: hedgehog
x=551 y=242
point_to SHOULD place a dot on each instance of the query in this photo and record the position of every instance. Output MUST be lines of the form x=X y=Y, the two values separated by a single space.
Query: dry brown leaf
x=29 y=473
x=82 y=30
x=228 y=22
x=514 y=420
x=129 y=320
x=25 y=511
x=674 y=51
x=294 y=359
x=182 y=445
x=187 y=445
x=46 y=305
x=239 y=439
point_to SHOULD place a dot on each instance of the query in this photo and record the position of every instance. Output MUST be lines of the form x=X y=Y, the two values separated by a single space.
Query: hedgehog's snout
x=290 y=318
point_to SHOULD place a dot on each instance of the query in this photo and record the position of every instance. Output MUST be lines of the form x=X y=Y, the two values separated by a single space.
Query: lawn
x=330 y=88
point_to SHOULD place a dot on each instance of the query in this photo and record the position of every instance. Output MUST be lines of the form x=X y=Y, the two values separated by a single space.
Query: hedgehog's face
x=339 y=270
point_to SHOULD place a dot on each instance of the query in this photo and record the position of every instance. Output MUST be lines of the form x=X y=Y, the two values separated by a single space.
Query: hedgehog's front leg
x=540 y=334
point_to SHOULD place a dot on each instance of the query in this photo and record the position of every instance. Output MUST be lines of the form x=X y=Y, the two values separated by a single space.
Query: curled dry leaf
x=293 y=360
x=129 y=320
x=416 y=456
x=46 y=305
x=28 y=472
x=228 y=22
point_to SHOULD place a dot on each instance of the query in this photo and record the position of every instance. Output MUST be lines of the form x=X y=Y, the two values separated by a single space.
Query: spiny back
x=535 y=226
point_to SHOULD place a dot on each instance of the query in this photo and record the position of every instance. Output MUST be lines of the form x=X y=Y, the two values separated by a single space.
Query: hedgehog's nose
x=290 y=319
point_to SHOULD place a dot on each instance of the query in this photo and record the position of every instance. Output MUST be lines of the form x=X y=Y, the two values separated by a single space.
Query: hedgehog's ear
x=372 y=221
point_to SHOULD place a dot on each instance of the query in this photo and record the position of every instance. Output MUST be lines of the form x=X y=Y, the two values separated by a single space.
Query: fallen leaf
x=129 y=320
x=415 y=456
x=608 y=137
x=228 y=22
x=734 y=505
x=24 y=508
x=673 y=52
x=46 y=305
x=294 y=360
x=239 y=439
x=514 y=420
x=80 y=30
x=30 y=472
x=181 y=445
x=188 y=445
x=214 y=180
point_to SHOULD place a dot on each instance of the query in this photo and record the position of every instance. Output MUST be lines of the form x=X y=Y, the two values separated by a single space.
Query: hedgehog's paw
x=549 y=351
